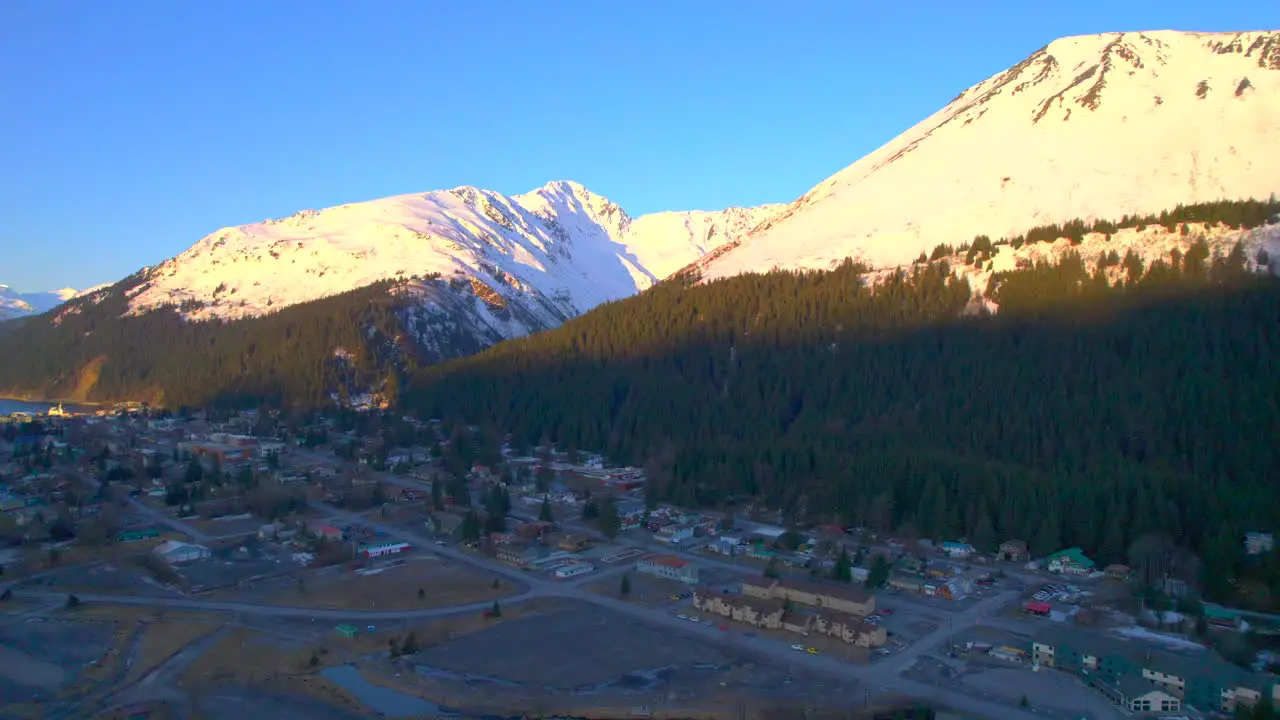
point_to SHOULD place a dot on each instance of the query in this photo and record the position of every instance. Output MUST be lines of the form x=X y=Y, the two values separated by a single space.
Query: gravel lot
x=38 y=657
x=594 y=655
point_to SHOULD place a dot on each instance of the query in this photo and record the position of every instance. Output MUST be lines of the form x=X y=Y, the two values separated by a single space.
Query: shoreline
x=55 y=401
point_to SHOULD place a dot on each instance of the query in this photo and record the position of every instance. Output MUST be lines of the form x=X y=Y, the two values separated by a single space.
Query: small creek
x=391 y=703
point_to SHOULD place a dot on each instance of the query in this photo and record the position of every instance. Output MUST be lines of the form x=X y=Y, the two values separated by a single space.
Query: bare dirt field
x=40 y=657
x=122 y=576
x=584 y=656
x=397 y=587
x=646 y=590
x=161 y=639
x=250 y=704
x=246 y=659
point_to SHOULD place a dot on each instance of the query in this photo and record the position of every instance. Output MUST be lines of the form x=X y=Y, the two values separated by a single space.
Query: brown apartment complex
x=848 y=600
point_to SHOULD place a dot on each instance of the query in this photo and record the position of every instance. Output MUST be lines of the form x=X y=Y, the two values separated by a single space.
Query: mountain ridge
x=1089 y=126
x=538 y=257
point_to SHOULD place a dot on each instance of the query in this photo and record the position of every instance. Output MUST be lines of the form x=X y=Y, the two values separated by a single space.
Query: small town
x=363 y=561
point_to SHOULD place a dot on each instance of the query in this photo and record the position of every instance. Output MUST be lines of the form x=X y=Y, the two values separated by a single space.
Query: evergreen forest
x=91 y=349
x=1104 y=403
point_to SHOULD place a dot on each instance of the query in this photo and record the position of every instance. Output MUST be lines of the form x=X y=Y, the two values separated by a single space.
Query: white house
x=957 y=549
x=1257 y=543
x=572 y=569
x=379 y=549
x=674 y=534
x=176 y=551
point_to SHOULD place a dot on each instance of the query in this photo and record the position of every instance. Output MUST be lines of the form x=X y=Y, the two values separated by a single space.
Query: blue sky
x=128 y=130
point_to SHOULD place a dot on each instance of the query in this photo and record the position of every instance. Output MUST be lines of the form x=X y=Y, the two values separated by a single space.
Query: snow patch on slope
x=1095 y=126
x=1154 y=242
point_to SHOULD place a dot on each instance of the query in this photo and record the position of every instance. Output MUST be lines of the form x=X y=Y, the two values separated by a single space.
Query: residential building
x=957 y=549
x=759 y=612
x=324 y=531
x=905 y=582
x=382 y=548
x=674 y=534
x=713 y=602
x=573 y=543
x=850 y=629
x=1071 y=561
x=722 y=546
x=1009 y=654
x=668 y=567
x=1202 y=680
x=1257 y=543
x=772 y=613
x=1117 y=572
x=176 y=551
x=517 y=553
x=842 y=598
x=1013 y=551
x=1136 y=694
x=955 y=588
x=572 y=569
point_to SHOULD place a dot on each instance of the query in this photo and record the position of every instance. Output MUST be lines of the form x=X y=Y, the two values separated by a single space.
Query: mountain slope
x=275 y=309
x=1092 y=126
x=536 y=258
x=14 y=304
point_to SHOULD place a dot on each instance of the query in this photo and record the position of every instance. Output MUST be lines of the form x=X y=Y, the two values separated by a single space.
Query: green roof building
x=1071 y=561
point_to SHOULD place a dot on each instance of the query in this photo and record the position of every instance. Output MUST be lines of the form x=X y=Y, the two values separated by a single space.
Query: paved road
x=276 y=610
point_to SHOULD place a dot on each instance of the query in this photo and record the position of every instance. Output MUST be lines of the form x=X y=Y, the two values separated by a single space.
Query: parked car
x=797 y=646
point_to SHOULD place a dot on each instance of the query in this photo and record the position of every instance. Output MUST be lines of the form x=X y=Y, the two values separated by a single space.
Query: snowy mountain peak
x=1093 y=126
x=481 y=266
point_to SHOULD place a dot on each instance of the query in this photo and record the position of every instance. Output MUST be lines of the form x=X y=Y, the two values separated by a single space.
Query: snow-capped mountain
x=14 y=304
x=1095 y=126
x=491 y=266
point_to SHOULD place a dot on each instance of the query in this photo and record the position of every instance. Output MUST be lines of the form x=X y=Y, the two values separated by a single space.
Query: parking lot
x=242 y=562
x=38 y=657
x=1050 y=694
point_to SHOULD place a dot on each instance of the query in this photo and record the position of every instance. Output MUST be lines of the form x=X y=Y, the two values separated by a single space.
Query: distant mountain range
x=1090 y=127
x=14 y=304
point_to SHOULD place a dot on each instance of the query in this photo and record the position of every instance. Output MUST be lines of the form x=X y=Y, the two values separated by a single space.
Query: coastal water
x=37 y=408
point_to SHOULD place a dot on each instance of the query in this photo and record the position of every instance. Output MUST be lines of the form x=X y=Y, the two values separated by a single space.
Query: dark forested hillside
x=1086 y=413
x=90 y=349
